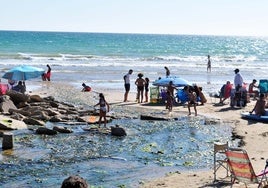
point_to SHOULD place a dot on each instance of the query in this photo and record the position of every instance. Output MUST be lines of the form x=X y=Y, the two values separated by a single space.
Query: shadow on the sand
x=228 y=108
x=251 y=122
x=161 y=104
x=122 y=103
x=217 y=184
x=152 y=104
x=219 y=104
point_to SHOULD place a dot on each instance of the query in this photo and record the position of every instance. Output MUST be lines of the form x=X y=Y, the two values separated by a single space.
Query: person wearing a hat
x=238 y=80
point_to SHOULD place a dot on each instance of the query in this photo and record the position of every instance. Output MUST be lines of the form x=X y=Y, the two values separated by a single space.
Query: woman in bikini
x=104 y=107
x=259 y=107
x=140 y=83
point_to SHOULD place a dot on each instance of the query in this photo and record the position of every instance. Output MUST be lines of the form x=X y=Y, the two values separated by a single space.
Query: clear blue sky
x=216 y=17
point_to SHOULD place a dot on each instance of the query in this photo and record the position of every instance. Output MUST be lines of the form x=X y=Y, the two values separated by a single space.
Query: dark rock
x=17 y=97
x=36 y=98
x=55 y=119
x=51 y=112
x=71 y=111
x=49 y=98
x=74 y=181
x=46 y=131
x=18 y=111
x=118 y=131
x=32 y=121
x=62 y=129
x=79 y=119
x=22 y=105
x=54 y=104
x=145 y=117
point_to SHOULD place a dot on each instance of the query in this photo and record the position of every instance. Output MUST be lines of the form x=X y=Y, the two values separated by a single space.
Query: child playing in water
x=103 y=104
x=192 y=100
x=169 y=103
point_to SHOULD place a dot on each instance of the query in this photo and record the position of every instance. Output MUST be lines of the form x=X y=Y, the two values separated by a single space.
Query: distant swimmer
x=167 y=72
x=209 y=64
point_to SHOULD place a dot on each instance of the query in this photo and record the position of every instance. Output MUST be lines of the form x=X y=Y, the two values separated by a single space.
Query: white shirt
x=238 y=80
x=127 y=80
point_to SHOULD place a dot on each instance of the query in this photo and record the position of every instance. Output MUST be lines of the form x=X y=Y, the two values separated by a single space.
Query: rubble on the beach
x=19 y=113
x=34 y=112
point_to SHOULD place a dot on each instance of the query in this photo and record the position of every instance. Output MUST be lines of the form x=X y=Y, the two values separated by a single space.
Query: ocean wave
x=218 y=58
x=61 y=57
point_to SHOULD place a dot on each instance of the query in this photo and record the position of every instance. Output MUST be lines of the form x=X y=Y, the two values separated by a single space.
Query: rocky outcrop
x=17 y=97
x=36 y=111
x=6 y=104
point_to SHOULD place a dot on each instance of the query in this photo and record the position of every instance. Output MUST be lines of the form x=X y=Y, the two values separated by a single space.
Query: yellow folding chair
x=241 y=168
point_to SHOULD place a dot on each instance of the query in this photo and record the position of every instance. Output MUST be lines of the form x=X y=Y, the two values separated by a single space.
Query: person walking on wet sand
x=127 y=84
x=209 y=64
x=104 y=107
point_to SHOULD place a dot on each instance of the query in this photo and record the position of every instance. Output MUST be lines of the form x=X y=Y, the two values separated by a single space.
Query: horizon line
x=136 y=33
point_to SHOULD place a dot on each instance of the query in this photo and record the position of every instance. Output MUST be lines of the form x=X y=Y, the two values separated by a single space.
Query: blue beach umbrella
x=23 y=72
x=177 y=81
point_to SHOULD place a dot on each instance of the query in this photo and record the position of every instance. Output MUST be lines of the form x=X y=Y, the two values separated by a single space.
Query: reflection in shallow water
x=150 y=149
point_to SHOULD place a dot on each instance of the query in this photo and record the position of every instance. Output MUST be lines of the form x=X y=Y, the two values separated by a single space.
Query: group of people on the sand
x=20 y=86
x=239 y=93
x=194 y=93
x=142 y=87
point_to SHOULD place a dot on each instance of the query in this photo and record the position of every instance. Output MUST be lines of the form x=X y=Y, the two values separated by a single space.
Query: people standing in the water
x=209 y=64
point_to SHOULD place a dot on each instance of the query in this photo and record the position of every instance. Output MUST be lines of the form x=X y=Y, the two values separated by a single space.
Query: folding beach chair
x=220 y=160
x=241 y=168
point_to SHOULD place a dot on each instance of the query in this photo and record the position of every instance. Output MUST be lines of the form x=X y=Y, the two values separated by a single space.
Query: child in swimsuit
x=103 y=104
x=170 y=100
x=192 y=100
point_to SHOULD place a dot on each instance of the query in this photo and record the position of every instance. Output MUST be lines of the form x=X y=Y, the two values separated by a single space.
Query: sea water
x=101 y=59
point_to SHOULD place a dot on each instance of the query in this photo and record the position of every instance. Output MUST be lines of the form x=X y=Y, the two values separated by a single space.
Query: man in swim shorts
x=127 y=84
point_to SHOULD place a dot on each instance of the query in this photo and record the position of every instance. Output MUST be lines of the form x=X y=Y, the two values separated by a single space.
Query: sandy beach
x=254 y=136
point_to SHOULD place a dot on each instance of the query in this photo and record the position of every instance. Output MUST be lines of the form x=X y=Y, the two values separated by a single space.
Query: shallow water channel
x=151 y=149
